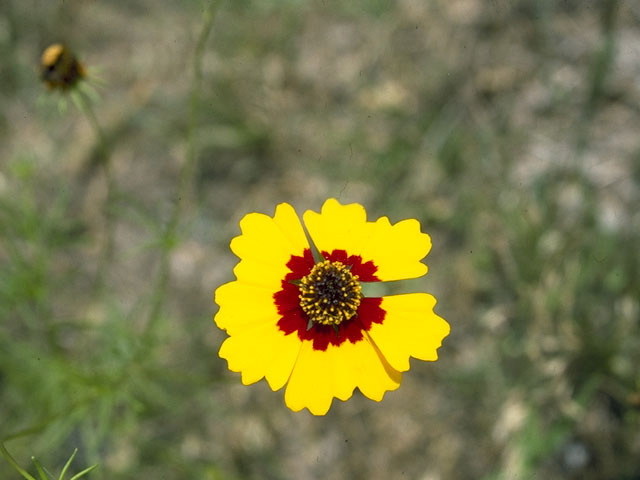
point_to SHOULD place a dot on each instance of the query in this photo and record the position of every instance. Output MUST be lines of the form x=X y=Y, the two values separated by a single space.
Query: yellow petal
x=341 y=227
x=242 y=305
x=319 y=376
x=374 y=375
x=261 y=274
x=265 y=246
x=309 y=385
x=263 y=351
x=410 y=328
x=397 y=249
x=270 y=241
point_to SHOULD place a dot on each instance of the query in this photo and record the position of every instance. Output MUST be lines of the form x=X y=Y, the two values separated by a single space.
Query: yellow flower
x=298 y=317
x=60 y=68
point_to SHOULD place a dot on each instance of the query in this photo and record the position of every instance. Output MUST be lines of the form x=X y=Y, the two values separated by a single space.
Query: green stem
x=188 y=169
x=108 y=246
x=13 y=463
x=600 y=69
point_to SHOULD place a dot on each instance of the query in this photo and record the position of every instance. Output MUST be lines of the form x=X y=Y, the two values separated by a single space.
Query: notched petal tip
x=410 y=329
x=316 y=411
x=270 y=240
x=262 y=351
x=397 y=250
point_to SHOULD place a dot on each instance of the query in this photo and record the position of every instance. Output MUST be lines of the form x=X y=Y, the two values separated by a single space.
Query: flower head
x=296 y=313
x=59 y=68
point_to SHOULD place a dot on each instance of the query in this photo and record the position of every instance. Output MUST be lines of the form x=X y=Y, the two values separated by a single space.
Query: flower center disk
x=330 y=294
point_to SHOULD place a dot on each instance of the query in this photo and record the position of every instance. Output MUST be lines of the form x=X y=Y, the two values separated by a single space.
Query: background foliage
x=508 y=128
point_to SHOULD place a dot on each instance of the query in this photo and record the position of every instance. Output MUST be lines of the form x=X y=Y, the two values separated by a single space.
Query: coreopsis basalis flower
x=67 y=79
x=296 y=313
x=59 y=67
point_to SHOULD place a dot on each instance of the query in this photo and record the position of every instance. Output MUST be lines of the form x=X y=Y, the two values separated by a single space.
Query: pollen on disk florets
x=330 y=294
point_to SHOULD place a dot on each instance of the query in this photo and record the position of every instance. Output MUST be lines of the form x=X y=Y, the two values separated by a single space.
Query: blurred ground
x=508 y=128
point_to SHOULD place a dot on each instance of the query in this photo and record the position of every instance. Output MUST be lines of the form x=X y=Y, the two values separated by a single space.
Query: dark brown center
x=330 y=294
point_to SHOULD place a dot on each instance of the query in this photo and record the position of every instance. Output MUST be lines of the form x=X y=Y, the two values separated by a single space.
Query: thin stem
x=188 y=169
x=13 y=463
x=108 y=246
x=600 y=70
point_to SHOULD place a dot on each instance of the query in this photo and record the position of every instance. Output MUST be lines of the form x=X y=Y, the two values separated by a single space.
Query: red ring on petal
x=293 y=319
x=365 y=271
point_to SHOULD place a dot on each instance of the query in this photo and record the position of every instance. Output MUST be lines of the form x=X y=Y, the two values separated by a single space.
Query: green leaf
x=68 y=464
x=83 y=472
x=43 y=475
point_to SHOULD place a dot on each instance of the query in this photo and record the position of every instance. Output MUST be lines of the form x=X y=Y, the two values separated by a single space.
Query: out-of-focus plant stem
x=600 y=69
x=187 y=171
x=104 y=154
